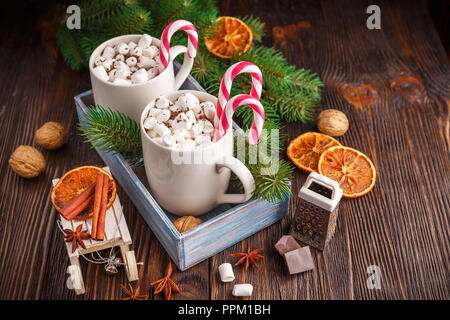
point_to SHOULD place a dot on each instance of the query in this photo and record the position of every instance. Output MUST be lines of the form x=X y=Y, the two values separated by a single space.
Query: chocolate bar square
x=299 y=260
x=285 y=244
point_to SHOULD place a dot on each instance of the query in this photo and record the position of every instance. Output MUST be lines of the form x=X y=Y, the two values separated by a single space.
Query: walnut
x=332 y=122
x=27 y=161
x=186 y=223
x=50 y=136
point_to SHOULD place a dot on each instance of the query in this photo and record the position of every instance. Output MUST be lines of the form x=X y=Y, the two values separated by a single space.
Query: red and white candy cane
x=227 y=116
x=167 y=34
x=227 y=81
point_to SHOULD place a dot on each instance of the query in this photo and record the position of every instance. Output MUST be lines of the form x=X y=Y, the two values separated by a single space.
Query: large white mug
x=193 y=182
x=131 y=99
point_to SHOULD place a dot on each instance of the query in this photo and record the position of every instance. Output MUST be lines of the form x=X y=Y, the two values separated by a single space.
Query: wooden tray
x=222 y=227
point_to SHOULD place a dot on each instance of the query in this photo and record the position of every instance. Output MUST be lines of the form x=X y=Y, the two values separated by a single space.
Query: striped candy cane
x=227 y=81
x=167 y=34
x=231 y=106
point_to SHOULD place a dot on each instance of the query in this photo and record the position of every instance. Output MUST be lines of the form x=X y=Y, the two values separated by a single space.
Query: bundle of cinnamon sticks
x=98 y=192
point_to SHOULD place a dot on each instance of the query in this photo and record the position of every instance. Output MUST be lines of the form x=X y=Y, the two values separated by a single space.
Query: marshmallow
x=112 y=75
x=150 y=52
x=132 y=45
x=152 y=134
x=153 y=72
x=131 y=61
x=162 y=130
x=175 y=108
x=119 y=64
x=101 y=73
x=226 y=272
x=146 y=62
x=180 y=135
x=201 y=139
x=108 y=64
x=137 y=51
x=145 y=41
x=197 y=129
x=242 y=290
x=123 y=73
x=181 y=122
x=134 y=69
x=120 y=57
x=109 y=52
x=208 y=127
x=191 y=116
x=207 y=142
x=188 y=144
x=139 y=76
x=154 y=112
x=163 y=116
x=150 y=123
x=169 y=140
x=122 y=81
x=210 y=109
x=123 y=48
x=99 y=60
x=163 y=103
x=188 y=101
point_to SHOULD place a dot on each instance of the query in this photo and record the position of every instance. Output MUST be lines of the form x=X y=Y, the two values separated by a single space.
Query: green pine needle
x=257 y=27
x=113 y=132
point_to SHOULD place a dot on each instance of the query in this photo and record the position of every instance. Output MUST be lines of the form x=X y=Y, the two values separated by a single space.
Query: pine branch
x=257 y=27
x=68 y=43
x=112 y=131
x=95 y=12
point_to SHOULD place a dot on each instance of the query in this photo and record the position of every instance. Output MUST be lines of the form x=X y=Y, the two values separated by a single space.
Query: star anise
x=166 y=284
x=132 y=294
x=76 y=237
x=249 y=257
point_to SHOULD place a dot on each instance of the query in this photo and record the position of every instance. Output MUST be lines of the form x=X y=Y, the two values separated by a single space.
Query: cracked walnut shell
x=186 y=223
x=27 y=161
x=50 y=136
x=332 y=122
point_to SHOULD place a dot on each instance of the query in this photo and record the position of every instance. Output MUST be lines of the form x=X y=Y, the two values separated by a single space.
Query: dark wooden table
x=392 y=83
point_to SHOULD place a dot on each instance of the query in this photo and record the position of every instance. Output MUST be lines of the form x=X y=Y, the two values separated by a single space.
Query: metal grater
x=315 y=219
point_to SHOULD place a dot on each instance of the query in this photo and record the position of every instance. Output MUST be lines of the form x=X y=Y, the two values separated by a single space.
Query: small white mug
x=131 y=99
x=193 y=182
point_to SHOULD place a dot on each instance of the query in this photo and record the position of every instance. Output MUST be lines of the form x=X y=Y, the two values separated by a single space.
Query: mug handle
x=242 y=172
x=185 y=68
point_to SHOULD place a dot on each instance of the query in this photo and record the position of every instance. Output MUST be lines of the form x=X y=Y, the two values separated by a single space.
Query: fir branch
x=96 y=12
x=257 y=27
x=272 y=183
x=68 y=43
x=128 y=21
x=112 y=131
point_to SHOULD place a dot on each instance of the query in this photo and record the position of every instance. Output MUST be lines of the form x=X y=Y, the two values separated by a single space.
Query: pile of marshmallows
x=129 y=63
x=184 y=124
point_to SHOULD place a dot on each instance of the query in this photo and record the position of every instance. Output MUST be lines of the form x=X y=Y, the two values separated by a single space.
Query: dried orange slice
x=74 y=182
x=232 y=35
x=353 y=170
x=305 y=150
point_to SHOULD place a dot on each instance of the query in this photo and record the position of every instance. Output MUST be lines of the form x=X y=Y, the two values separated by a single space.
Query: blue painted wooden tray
x=222 y=227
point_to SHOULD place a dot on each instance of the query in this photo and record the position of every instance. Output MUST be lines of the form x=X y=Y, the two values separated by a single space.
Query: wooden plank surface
x=393 y=84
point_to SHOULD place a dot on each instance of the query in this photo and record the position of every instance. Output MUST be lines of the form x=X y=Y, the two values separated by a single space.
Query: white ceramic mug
x=131 y=99
x=193 y=182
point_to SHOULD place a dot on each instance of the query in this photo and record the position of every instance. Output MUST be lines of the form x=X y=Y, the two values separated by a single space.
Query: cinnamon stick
x=97 y=203
x=80 y=208
x=100 y=233
x=74 y=205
